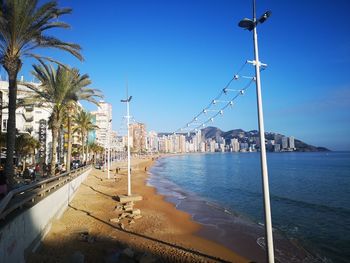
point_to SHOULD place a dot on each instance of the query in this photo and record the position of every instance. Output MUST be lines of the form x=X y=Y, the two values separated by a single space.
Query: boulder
x=136 y=212
x=114 y=220
x=137 y=216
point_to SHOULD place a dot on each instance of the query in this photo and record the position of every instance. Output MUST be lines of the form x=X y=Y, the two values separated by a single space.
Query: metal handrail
x=27 y=188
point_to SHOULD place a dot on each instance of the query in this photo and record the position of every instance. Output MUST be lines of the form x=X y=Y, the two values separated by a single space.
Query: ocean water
x=310 y=200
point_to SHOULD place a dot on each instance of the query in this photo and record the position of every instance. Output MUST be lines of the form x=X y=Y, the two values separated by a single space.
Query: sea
x=310 y=201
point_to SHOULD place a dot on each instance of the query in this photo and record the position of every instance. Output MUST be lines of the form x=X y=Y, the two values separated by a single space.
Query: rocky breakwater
x=126 y=212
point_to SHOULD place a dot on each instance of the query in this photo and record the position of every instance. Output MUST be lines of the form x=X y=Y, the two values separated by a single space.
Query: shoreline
x=184 y=220
x=165 y=232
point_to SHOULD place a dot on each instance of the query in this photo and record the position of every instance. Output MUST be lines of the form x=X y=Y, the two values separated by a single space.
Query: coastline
x=163 y=231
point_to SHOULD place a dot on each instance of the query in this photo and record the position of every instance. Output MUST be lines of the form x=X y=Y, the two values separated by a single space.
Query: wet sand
x=168 y=234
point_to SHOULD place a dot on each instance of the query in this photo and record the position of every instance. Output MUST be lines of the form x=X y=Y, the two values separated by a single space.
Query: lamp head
x=264 y=17
x=247 y=23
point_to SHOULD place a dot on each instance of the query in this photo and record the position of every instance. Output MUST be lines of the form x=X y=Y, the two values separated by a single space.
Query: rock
x=128 y=208
x=77 y=257
x=137 y=217
x=82 y=230
x=147 y=258
x=131 y=222
x=122 y=226
x=129 y=252
x=123 y=215
x=114 y=220
x=136 y=212
x=119 y=208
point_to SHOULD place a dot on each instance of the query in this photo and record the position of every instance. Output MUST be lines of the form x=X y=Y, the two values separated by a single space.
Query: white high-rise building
x=291 y=142
x=235 y=145
x=152 y=142
x=29 y=119
x=104 y=123
x=284 y=142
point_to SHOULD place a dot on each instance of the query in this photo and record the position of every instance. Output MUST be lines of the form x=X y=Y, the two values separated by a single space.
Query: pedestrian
x=44 y=169
x=37 y=170
x=63 y=170
x=59 y=168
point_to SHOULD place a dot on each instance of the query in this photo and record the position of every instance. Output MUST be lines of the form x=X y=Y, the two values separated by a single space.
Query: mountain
x=212 y=132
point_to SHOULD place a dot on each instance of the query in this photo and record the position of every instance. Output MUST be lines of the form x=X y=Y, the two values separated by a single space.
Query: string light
x=198 y=123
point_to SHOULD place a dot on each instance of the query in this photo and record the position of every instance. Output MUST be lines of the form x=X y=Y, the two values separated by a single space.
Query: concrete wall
x=25 y=231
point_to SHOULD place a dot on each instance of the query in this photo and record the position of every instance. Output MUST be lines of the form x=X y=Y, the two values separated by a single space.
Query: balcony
x=29 y=108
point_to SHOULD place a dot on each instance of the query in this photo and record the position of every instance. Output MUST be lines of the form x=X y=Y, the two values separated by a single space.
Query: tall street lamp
x=127 y=101
x=109 y=149
x=250 y=25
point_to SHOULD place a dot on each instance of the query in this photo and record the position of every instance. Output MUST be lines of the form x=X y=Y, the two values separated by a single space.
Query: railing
x=29 y=194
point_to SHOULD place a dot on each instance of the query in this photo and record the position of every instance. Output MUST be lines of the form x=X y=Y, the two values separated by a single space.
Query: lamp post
x=127 y=101
x=251 y=25
x=109 y=149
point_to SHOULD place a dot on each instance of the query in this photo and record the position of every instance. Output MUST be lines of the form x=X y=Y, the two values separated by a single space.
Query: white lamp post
x=251 y=25
x=108 y=149
x=127 y=101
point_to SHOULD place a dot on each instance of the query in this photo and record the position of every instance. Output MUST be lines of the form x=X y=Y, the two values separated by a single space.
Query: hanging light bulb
x=236 y=77
x=242 y=92
x=212 y=119
x=221 y=112
x=214 y=101
x=231 y=103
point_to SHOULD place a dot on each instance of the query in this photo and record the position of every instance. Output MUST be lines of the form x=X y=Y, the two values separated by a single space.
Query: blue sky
x=178 y=55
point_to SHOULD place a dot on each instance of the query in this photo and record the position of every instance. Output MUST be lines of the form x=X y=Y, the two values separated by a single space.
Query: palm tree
x=96 y=149
x=59 y=88
x=84 y=125
x=26 y=145
x=23 y=27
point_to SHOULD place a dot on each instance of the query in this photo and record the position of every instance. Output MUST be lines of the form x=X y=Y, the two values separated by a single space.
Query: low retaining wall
x=26 y=230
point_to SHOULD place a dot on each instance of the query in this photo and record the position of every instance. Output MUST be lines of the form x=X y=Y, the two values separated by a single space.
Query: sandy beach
x=164 y=234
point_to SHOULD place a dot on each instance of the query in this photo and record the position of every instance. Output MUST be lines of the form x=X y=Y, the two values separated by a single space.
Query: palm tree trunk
x=83 y=145
x=33 y=157
x=55 y=128
x=87 y=150
x=69 y=143
x=11 y=122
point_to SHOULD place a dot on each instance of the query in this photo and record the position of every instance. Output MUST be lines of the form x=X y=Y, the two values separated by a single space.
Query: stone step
x=126 y=198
